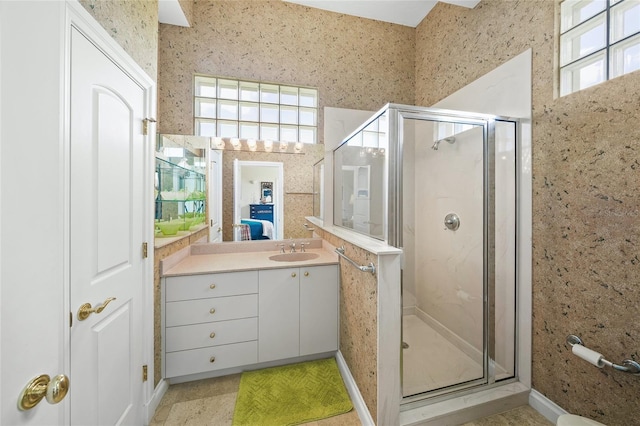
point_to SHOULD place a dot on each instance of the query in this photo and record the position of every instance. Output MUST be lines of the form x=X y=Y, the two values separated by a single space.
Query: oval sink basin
x=293 y=257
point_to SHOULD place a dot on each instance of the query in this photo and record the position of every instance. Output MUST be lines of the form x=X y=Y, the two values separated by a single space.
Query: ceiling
x=403 y=12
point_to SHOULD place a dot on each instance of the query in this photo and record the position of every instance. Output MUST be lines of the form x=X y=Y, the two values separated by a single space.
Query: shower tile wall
x=586 y=200
x=448 y=264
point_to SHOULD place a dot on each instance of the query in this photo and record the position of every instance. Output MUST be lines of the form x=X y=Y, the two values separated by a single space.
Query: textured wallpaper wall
x=354 y=62
x=134 y=25
x=586 y=198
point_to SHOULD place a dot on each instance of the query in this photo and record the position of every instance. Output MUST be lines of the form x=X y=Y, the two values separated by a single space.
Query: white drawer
x=211 y=334
x=208 y=310
x=209 y=359
x=211 y=285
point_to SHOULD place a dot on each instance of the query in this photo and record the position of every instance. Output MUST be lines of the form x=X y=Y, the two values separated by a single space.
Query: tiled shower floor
x=431 y=361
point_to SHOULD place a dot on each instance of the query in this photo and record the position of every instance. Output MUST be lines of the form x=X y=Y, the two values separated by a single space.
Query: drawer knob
x=293 y=274
x=212 y=335
x=212 y=286
x=212 y=311
x=306 y=274
x=212 y=359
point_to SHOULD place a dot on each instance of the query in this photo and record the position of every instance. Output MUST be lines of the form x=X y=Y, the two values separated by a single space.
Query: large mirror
x=257 y=183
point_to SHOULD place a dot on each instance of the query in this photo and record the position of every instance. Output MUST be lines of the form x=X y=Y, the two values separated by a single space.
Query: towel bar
x=369 y=268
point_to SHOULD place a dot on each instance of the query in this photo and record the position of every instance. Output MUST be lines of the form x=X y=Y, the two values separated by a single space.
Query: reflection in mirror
x=297 y=186
x=258 y=200
x=190 y=153
x=180 y=185
x=359 y=177
x=318 y=189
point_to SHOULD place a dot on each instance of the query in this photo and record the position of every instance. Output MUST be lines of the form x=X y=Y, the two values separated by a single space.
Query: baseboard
x=543 y=405
x=354 y=392
x=154 y=402
x=408 y=310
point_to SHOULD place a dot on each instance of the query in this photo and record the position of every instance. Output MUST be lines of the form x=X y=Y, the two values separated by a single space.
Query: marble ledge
x=241 y=256
x=372 y=245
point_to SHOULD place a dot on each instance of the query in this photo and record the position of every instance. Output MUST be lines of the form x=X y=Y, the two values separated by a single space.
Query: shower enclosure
x=440 y=185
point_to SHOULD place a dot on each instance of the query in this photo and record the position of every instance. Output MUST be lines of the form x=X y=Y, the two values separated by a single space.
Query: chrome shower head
x=450 y=139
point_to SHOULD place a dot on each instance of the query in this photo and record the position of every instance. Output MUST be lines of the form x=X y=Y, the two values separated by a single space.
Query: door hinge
x=144 y=373
x=145 y=250
x=145 y=125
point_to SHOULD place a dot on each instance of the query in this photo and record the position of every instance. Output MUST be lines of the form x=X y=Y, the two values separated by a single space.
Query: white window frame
x=275 y=112
x=570 y=80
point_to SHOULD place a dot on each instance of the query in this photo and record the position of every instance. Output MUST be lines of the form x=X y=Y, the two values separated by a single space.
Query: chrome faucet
x=302 y=246
x=293 y=247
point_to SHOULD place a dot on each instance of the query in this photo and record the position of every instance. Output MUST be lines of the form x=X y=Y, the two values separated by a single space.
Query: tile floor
x=211 y=402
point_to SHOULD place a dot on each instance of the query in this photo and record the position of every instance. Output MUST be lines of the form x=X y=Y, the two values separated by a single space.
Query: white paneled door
x=106 y=224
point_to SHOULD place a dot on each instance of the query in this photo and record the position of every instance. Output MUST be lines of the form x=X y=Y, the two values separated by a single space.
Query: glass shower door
x=444 y=222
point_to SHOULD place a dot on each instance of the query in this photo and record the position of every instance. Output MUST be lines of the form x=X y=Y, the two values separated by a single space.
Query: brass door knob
x=85 y=310
x=54 y=390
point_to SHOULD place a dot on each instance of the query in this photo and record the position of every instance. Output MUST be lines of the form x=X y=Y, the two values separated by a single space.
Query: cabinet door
x=278 y=314
x=318 y=309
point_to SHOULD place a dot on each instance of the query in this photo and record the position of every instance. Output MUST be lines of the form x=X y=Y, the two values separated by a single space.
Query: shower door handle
x=452 y=222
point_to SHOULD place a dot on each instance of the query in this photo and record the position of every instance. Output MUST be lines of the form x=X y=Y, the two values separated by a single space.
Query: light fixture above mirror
x=253 y=145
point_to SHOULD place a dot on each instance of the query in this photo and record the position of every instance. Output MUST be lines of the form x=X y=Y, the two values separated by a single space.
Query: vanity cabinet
x=225 y=320
x=211 y=322
x=298 y=312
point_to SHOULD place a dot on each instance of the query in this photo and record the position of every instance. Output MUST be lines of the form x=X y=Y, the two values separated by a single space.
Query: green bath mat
x=291 y=394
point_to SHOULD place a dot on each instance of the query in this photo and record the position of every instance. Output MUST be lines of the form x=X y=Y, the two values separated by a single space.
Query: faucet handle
x=281 y=247
x=302 y=246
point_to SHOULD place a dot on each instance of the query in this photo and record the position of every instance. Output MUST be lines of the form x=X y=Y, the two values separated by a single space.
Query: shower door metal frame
x=396 y=116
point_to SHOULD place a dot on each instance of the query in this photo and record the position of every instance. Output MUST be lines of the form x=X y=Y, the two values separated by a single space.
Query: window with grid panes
x=231 y=108
x=599 y=40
